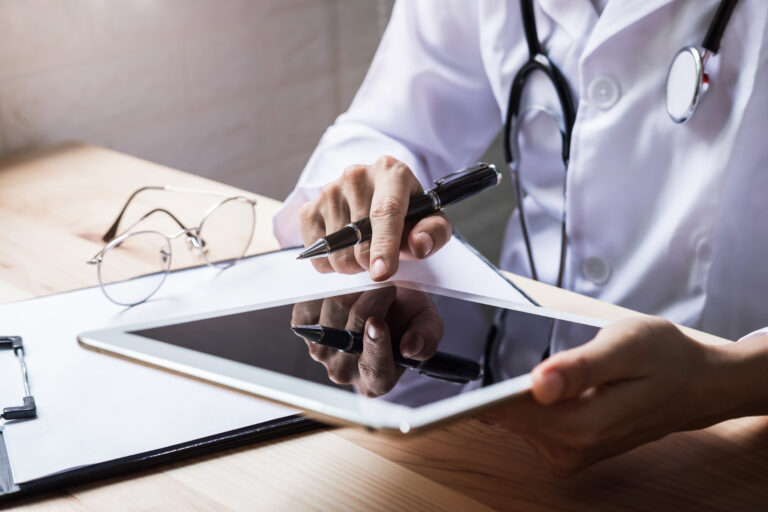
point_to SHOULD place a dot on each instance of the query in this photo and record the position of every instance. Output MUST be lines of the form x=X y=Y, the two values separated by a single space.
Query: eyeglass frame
x=538 y=60
x=192 y=233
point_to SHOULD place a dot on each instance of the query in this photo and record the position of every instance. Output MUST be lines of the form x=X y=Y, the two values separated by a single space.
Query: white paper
x=93 y=407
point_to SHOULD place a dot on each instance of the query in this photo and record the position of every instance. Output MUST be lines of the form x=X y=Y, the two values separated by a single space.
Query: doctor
x=655 y=214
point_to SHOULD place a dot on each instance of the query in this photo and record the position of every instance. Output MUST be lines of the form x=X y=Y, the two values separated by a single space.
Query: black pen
x=440 y=366
x=448 y=190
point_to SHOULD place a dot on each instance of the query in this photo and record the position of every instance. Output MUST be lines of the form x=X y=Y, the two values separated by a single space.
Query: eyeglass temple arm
x=112 y=231
x=184 y=228
x=163 y=210
x=96 y=257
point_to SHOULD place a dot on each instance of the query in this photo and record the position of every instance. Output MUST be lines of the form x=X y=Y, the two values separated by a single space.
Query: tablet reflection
x=405 y=319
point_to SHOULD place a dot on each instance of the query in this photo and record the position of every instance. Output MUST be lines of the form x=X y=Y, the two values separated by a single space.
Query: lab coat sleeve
x=425 y=100
x=759 y=332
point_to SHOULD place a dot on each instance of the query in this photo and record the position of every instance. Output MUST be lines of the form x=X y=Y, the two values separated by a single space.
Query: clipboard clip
x=29 y=409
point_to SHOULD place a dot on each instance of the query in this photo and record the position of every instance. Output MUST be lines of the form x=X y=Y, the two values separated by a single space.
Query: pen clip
x=461 y=172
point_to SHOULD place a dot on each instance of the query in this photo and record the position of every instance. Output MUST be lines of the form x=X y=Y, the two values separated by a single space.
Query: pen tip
x=309 y=332
x=298 y=333
x=316 y=250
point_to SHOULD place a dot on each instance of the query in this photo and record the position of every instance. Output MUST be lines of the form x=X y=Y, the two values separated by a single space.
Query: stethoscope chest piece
x=686 y=82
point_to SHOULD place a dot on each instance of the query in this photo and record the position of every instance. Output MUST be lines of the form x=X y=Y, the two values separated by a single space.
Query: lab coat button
x=604 y=92
x=596 y=270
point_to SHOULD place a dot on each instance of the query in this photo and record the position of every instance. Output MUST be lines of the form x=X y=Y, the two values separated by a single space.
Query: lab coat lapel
x=576 y=17
x=579 y=19
x=617 y=16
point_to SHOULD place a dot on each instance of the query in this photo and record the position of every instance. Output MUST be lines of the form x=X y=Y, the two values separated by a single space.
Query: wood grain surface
x=55 y=204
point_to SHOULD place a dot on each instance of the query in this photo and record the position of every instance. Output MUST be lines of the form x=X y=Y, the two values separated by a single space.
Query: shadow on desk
x=724 y=467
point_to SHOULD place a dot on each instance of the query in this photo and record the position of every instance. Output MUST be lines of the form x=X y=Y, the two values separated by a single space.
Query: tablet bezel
x=318 y=400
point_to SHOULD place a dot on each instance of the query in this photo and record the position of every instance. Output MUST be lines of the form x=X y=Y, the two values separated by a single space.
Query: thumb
x=428 y=235
x=607 y=358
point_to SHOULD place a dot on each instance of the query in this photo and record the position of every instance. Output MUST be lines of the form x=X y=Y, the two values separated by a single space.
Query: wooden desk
x=56 y=203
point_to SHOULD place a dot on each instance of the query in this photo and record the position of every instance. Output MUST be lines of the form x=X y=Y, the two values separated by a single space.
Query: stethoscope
x=687 y=81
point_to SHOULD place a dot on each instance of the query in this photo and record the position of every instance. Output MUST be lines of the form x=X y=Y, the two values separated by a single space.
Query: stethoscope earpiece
x=686 y=82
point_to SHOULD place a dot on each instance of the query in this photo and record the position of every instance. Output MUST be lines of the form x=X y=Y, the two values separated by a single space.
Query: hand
x=636 y=381
x=408 y=315
x=382 y=192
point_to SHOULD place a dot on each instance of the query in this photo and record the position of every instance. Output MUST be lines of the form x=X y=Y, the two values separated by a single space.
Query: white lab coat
x=663 y=218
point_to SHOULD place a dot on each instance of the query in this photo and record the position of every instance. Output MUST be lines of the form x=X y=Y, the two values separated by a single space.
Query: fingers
x=341 y=367
x=372 y=303
x=306 y=313
x=423 y=336
x=574 y=434
x=610 y=356
x=338 y=203
x=376 y=364
x=334 y=206
x=394 y=185
x=415 y=315
x=428 y=235
x=311 y=228
x=624 y=388
x=358 y=189
x=382 y=192
x=319 y=353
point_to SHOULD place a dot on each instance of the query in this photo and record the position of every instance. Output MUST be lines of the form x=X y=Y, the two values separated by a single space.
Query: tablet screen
x=499 y=343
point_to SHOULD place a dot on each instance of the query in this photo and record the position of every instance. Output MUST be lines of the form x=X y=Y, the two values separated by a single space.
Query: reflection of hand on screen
x=406 y=316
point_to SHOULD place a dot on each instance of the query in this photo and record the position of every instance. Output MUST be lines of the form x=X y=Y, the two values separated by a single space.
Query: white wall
x=237 y=90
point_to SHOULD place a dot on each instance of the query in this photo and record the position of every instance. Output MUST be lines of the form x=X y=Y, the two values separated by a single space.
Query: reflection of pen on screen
x=440 y=366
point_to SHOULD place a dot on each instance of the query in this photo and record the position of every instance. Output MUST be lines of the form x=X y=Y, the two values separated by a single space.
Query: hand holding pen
x=392 y=211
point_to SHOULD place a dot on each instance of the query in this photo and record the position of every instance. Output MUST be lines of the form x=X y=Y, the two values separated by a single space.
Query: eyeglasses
x=548 y=189
x=134 y=264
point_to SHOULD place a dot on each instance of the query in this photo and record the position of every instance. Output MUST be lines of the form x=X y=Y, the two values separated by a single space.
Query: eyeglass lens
x=133 y=269
x=227 y=231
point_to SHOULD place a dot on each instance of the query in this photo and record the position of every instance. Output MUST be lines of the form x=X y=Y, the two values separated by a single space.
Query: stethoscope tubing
x=539 y=61
x=718 y=25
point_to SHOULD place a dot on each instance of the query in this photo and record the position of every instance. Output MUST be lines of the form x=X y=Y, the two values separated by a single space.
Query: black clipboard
x=279 y=427
x=151 y=459
x=259 y=432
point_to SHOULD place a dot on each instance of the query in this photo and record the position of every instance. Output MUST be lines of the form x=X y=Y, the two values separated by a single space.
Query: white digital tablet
x=485 y=355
